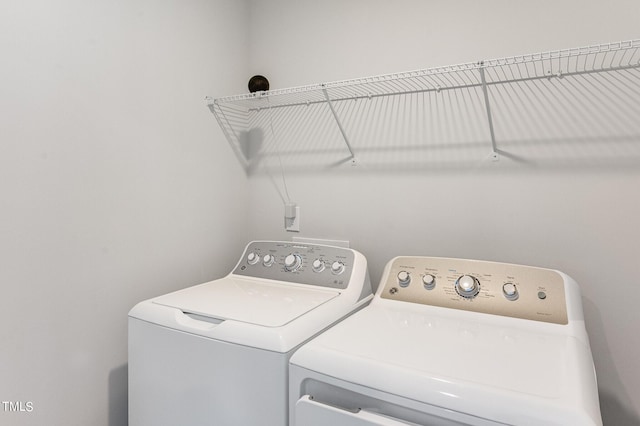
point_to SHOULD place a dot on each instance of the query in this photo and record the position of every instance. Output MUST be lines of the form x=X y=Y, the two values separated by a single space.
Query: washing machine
x=217 y=354
x=453 y=342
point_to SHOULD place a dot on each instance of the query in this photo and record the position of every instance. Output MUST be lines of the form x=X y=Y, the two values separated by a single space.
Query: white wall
x=582 y=221
x=114 y=186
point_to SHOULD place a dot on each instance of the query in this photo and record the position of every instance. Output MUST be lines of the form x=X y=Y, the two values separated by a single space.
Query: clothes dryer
x=217 y=353
x=453 y=342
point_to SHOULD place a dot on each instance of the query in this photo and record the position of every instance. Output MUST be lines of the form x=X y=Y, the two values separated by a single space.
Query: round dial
x=404 y=278
x=318 y=265
x=292 y=262
x=252 y=258
x=467 y=286
x=429 y=281
x=268 y=260
x=337 y=267
x=510 y=291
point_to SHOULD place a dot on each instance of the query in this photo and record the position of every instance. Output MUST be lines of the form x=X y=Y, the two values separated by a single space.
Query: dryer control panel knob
x=467 y=286
x=292 y=262
x=404 y=278
x=429 y=281
x=504 y=289
x=510 y=291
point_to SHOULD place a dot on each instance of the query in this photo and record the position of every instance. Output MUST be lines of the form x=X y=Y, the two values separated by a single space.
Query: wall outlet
x=292 y=224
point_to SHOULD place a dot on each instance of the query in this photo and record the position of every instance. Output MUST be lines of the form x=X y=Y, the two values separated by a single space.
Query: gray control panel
x=323 y=266
x=488 y=287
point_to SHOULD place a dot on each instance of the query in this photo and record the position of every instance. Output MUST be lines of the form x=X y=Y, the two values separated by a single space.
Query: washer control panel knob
x=267 y=260
x=510 y=291
x=318 y=265
x=292 y=262
x=467 y=286
x=404 y=278
x=252 y=258
x=337 y=267
x=429 y=281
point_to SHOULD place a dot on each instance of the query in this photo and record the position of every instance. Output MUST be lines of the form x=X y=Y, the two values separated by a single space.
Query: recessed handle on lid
x=199 y=322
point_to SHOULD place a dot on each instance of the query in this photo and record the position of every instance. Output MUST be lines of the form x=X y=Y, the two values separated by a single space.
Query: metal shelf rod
x=485 y=90
x=224 y=124
x=372 y=95
x=335 y=116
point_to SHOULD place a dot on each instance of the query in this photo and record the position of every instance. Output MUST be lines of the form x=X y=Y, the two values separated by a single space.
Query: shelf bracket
x=335 y=116
x=485 y=90
x=228 y=130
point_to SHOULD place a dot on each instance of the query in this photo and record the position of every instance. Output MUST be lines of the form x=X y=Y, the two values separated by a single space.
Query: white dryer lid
x=254 y=301
x=457 y=363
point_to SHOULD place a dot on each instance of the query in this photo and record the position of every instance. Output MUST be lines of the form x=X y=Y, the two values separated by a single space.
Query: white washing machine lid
x=253 y=301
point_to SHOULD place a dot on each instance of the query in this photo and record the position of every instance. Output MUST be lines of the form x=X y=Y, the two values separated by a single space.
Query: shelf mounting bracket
x=339 y=123
x=485 y=90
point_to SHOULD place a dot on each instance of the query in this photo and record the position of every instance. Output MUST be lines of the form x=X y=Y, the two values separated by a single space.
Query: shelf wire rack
x=577 y=105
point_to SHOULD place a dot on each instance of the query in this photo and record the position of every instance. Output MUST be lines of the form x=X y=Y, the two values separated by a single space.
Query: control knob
x=467 y=286
x=318 y=265
x=510 y=291
x=292 y=262
x=429 y=281
x=337 y=267
x=404 y=278
x=268 y=260
x=252 y=258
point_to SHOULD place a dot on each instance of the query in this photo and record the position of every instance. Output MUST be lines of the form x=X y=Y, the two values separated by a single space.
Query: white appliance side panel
x=176 y=378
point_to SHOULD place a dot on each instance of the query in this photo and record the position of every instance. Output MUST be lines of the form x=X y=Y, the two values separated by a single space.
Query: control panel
x=494 y=288
x=324 y=266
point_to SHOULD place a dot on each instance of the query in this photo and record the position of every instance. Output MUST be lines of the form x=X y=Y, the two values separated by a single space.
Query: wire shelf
x=571 y=105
